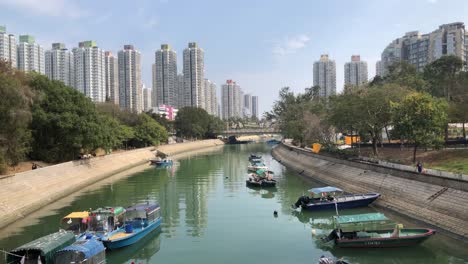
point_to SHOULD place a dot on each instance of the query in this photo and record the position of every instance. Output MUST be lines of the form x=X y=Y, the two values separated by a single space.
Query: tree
x=65 y=122
x=366 y=110
x=406 y=75
x=194 y=122
x=420 y=119
x=441 y=75
x=15 y=117
x=148 y=132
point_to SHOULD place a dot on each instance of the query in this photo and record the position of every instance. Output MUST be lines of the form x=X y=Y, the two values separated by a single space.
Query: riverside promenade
x=437 y=201
x=25 y=192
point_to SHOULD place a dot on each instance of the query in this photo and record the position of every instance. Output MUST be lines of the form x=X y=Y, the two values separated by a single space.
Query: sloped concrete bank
x=26 y=192
x=441 y=207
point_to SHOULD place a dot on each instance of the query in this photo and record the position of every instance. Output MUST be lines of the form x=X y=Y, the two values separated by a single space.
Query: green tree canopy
x=420 y=119
x=195 y=122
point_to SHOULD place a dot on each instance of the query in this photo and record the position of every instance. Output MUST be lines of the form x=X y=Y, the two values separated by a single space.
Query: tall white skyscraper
x=112 y=77
x=194 y=76
x=180 y=87
x=89 y=63
x=59 y=64
x=130 y=86
x=207 y=96
x=8 y=47
x=255 y=107
x=325 y=76
x=231 y=101
x=355 y=71
x=147 y=99
x=154 y=100
x=214 y=100
x=247 y=105
x=378 y=68
x=166 y=76
x=30 y=55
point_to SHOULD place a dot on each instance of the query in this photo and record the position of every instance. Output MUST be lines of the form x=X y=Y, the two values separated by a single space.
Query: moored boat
x=273 y=142
x=42 y=249
x=106 y=219
x=90 y=251
x=330 y=198
x=371 y=231
x=255 y=156
x=260 y=183
x=76 y=222
x=162 y=163
x=141 y=219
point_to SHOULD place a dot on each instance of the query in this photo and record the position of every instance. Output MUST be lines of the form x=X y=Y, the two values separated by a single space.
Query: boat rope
x=9 y=253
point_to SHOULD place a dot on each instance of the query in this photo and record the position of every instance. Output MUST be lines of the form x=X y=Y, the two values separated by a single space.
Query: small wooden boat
x=257 y=166
x=90 y=251
x=370 y=231
x=141 y=219
x=260 y=183
x=254 y=156
x=162 y=163
x=106 y=219
x=273 y=142
x=331 y=198
x=41 y=250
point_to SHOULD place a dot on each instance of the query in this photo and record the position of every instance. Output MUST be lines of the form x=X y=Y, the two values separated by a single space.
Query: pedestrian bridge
x=250 y=131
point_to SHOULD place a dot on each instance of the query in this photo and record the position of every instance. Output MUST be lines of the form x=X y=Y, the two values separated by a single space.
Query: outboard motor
x=331 y=237
x=303 y=200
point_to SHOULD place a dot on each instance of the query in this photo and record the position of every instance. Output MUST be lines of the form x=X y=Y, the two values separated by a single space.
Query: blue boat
x=332 y=198
x=162 y=163
x=141 y=219
x=273 y=142
x=88 y=250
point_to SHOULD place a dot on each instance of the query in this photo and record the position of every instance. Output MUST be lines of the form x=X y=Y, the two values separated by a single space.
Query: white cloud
x=58 y=8
x=291 y=45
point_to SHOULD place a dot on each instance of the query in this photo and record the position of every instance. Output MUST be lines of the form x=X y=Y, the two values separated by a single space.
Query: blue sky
x=262 y=44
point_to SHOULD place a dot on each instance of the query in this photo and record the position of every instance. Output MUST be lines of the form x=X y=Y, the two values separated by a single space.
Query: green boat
x=107 y=219
x=374 y=230
x=42 y=249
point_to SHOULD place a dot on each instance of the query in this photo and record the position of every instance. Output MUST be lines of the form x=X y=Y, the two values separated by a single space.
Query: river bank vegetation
x=411 y=107
x=49 y=121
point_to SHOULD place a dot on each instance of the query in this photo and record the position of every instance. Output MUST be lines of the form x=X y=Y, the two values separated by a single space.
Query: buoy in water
x=314 y=232
x=275 y=214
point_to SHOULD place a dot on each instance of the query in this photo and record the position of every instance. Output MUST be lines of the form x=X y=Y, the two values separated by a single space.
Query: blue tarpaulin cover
x=325 y=189
x=89 y=248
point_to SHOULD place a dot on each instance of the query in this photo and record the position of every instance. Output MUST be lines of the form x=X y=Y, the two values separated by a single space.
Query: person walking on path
x=419 y=167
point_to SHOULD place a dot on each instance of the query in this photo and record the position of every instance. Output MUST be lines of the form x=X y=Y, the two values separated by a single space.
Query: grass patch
x=456 y=166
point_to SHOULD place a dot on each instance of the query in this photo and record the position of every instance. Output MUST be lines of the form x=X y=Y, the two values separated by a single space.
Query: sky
x=263 y=45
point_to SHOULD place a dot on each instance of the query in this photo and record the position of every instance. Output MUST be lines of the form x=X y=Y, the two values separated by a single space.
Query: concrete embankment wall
x=439 y=206
x=26 y=192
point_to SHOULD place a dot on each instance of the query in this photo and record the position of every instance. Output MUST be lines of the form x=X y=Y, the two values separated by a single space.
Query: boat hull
x=381 y=242
x=131 y=239
x=358 y=201
x=261 y=183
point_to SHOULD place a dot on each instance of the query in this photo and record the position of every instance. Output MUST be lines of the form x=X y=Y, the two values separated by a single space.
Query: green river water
x=210 y=216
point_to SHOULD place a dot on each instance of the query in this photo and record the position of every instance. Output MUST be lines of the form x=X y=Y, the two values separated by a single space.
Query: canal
x=210 y=216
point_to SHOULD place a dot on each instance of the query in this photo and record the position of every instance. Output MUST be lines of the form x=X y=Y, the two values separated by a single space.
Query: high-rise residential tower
x=207 y=88
x=59 y=64
x=130 y=96
x=30 y=55
x=214 y=100
x=421 y=49
x=166 y=76
x=89 y=63
x=147 y=99
x=8 y=47
x=112 y=77
x=355 y=71
x=325 y=76
x=247 y=107
x=378 y=68
x=255 y=107
x=194 y=76
x=231 y=101
x=180 y=91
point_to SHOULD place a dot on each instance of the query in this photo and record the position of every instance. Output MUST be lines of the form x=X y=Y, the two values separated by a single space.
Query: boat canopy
x=109 y=210
x=325 y=189
x=143 y=207
x=43 y=247
x=360 y=222
x=76 y=215
x=85 y=248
